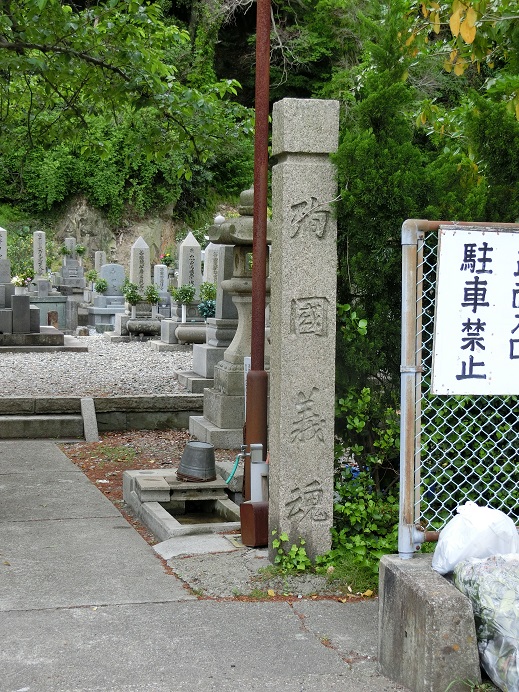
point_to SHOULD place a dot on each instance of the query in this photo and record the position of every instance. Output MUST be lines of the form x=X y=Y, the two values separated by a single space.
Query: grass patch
x=119 y=453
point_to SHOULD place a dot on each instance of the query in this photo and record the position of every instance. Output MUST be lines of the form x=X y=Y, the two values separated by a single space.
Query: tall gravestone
x=161 y=281
x=39 y=255
x=303 y=290
x=190 y=263
x=140 y=267
x=211 y=263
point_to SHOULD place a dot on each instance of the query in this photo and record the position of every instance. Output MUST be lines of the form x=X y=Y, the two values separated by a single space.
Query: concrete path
x=87 y=605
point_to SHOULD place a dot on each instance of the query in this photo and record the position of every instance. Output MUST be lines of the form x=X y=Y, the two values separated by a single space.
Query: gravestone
x=161 y=281
x=211 y=256
x=110 y=303
x=189 y=272
x=190 y=263
x=71 y=274
x=39 y=254
x=140 y=267
x=99 y=259
x=302 y=362
x=3 y=244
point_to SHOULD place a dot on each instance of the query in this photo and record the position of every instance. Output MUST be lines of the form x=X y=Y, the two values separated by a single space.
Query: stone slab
x=30 y=427
x=222 y=438
x=193 y=382
x=193 y=545
x=6 y=321
x=88 y=411
x=421 y=611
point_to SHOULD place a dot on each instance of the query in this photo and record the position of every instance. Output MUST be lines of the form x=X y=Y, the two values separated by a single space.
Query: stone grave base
x=48 y=339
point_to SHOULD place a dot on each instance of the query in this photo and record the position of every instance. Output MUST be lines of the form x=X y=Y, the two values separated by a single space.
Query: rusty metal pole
x=257 y=378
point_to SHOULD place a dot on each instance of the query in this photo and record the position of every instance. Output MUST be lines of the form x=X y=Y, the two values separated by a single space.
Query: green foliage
x=207 y=291
x=100 y=285
x=207 y=306
x=151 y=294
x=131 y=293
x=80 y=250
x=184 y=294
x=64 y=251
x=365 y=521
x=290 y=558
x=91 y=275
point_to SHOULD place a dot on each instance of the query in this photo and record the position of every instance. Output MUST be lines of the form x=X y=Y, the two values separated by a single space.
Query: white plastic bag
x=474 y=532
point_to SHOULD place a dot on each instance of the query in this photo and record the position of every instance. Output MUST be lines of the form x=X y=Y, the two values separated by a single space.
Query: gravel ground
x=108 y=369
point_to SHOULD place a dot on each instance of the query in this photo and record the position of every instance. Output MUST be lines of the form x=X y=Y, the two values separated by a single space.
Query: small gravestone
x=3 y=244
x=303 y=290
x=99 y=259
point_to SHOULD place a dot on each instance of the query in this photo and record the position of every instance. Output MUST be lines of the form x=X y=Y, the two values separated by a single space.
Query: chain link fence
x=453 y=448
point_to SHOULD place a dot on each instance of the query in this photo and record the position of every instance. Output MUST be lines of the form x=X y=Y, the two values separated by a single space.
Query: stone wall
x=90 y=227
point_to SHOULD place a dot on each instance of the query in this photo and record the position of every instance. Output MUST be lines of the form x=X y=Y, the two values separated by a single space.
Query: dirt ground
x=104 y=462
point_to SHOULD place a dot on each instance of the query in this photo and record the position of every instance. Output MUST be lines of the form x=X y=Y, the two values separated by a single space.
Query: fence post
x=408 y=536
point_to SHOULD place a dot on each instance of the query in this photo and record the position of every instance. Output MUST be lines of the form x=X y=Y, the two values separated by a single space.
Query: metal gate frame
x=411 y=534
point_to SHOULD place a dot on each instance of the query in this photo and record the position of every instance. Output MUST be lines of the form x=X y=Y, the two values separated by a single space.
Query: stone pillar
x=303 y=289
x=3 y=244
x=140 y=268
x=39 y=255
x=99 y=259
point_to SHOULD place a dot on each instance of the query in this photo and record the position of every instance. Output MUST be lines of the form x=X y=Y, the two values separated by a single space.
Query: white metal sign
x=476 y=336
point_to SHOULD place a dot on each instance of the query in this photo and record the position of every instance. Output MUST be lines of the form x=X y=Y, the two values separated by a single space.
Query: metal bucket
x=197 y=463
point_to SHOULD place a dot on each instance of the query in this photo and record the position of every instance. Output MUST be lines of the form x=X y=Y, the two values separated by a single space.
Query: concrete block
x=205 y=357
x=2 y=295
x=427 y=636
x=34 y=319
x=88 y=412
x=167 y=331
x=21 y=317
x=221 y=438
x=223 y=410
x=152 y=489
x=6 y=321
x=9 y=293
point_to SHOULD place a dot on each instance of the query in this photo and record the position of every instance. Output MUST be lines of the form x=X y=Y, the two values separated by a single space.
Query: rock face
x=91 y=228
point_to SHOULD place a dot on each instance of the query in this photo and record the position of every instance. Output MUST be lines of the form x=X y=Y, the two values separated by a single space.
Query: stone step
x=41 y=427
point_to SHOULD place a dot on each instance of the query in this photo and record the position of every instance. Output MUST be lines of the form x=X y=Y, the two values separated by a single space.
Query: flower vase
x=154 y=311
x=20 y=290
x=184 y=313
x=134 y=312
